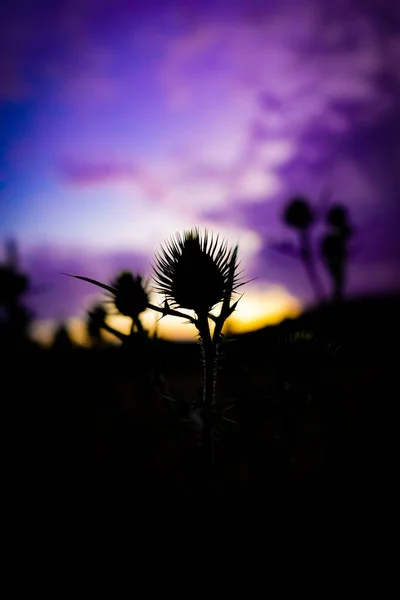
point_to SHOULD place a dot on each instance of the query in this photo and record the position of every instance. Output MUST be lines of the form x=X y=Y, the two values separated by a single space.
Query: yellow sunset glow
x=263 y=306
x=259 y=307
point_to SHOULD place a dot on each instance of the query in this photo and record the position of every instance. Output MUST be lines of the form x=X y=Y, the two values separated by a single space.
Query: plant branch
x=167 y=311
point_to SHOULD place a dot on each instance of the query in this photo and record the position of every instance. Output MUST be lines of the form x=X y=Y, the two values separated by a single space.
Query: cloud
x=88 y=173
x=263 y=101
x=84 y=173
x=256 y=183
x=313 y=77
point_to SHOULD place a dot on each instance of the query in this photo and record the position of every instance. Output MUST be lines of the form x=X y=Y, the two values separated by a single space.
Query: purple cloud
x=301 y=96
x=89 y=173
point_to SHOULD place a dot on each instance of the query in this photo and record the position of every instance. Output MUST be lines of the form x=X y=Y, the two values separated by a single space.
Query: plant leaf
x=94 y=282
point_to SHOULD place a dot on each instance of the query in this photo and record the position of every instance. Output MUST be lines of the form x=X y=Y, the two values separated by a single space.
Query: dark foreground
x=305 y=413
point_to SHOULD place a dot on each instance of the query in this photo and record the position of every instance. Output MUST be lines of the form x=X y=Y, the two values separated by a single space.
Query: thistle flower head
x=338 y=218
x=196 y=271
x=298 y=213
x=130 y=294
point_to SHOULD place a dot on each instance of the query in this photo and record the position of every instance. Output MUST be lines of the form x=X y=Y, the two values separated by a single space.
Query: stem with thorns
x=210 y=358
x=209 y=386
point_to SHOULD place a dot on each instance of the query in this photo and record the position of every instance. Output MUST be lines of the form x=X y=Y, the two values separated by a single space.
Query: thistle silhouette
x=96 y=318
x=15 y=320
x=197 y=271
x=299 y=215
x=193 y=271
x=334 y=248
x=130 y=297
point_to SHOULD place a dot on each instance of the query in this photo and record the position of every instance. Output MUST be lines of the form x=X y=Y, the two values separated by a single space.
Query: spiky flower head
x=338 y=218
x=196 y=271
x=298 y=213
x=130 y=294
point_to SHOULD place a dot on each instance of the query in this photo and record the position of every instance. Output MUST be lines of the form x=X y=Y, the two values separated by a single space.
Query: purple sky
x=122 y=122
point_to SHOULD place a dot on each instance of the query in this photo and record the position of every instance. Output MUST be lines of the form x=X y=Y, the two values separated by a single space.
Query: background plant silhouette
x=129 y=295
x=299 y=215
x=15 y=317
x=196 y=272
x=334 y=248
x=95 y=323
x=62 y=340
x=252 y=416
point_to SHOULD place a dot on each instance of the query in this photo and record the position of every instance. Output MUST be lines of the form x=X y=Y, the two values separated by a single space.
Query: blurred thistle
x=334 y=248
x=14 y=317
x=96 y=320
x=197 y=271
x=128 y=294
x=13 y=284
x=299 y=215
x=338 y=219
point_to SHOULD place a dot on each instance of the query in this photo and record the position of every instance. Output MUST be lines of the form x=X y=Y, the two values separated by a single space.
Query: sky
x=125 y=121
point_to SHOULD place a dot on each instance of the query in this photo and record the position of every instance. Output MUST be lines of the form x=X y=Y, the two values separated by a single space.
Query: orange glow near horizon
x=259 y=307
x=263 y=306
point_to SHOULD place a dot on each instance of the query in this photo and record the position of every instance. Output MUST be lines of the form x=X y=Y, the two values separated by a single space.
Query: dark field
x=308 y=408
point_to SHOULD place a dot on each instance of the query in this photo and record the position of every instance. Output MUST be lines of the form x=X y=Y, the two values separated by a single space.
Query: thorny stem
x=209 y=385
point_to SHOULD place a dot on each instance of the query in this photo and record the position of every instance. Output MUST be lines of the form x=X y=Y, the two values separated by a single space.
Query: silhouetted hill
x=312 y=400
x=361 y=325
